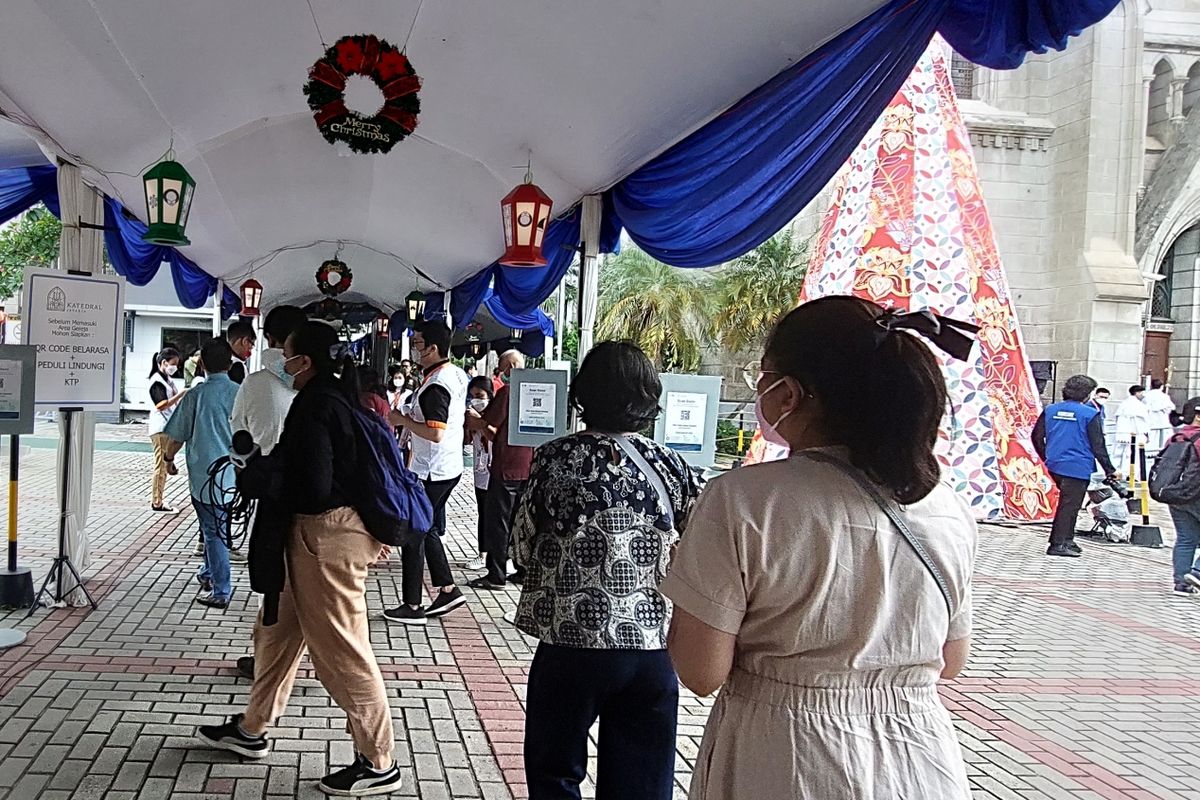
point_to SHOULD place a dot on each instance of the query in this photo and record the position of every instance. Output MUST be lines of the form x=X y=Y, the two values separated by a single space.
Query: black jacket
x=312 y=470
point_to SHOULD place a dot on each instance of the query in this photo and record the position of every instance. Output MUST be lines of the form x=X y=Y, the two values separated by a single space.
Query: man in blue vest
x=1069 y=437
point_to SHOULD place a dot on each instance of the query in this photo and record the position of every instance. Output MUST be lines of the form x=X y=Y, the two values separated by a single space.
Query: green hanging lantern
x=169 y=190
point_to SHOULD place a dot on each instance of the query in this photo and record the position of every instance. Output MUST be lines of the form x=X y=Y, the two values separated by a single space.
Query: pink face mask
x=770 y=430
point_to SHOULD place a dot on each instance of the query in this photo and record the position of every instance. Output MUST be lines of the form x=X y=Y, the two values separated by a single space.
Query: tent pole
x=216 y=320
x=560 y=318
x=589 y=276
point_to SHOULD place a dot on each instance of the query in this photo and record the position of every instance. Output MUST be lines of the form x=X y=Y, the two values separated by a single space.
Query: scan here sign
x=75 y=321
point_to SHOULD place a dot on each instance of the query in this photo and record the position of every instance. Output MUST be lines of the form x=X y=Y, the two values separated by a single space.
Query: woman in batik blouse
x=594 y=530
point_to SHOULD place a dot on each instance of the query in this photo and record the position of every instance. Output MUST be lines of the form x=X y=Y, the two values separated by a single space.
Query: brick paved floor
x=1081 y=685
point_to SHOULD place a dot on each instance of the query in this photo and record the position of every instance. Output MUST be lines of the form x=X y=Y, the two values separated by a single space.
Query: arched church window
x=1191 y=89
x=1159 y=108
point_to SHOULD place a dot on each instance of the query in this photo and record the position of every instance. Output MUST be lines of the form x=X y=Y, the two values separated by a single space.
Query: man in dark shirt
x=1069 y=437
x=506 y=483
x=241 y=338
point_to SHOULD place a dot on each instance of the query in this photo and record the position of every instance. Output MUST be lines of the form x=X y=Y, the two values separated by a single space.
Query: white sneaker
x=198 y=550
x=477 y=563
x=237 y=557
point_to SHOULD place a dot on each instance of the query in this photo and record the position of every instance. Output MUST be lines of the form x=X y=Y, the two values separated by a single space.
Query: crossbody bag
x=656 y=481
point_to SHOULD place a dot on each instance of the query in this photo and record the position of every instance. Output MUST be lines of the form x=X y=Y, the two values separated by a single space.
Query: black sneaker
x=445 y=603
x=230 y=737
x=245 y=667
x=360 y=779
x=486 y=584
x=405 y=615
x=1063 y=550
x=163 y=510
x=1073 y=547
x=1186 y=590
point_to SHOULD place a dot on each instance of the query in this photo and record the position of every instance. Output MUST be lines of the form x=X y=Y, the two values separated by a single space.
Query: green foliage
x=30 y=241
x=754 y=291
x=727 y=437
x=662 y=309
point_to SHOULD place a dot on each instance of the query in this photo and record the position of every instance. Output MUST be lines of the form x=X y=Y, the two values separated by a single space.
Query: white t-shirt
x=441 y=461
x=262 y=403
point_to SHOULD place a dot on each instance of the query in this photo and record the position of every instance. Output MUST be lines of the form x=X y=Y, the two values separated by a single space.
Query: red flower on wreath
x=391 y=64
x=349 y=56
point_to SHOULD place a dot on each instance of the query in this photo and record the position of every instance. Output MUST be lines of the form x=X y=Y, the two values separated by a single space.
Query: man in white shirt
x=435 y=419
x=1159 y=407
x=264 y=399
x=1133 y=421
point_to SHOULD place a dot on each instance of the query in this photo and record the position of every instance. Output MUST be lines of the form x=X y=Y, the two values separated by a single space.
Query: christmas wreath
x=391 y=71
x=334 y=277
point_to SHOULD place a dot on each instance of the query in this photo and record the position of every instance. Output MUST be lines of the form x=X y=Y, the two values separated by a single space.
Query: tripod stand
x=62 y=562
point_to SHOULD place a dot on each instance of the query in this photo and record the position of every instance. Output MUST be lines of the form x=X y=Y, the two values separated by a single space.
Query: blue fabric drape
x=732 y=184
x=735 y=182
x=139 y=261
x=998 y=34
x=535 y=320
x=24 y=187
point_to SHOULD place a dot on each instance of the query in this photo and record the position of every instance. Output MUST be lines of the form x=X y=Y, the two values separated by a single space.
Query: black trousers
x=421 y=548
x=502 y=499
x=634 y=693
x=481 y=528
x=1071 y=492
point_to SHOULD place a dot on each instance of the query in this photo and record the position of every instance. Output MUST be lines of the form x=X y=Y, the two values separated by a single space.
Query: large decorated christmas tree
x=907 y=227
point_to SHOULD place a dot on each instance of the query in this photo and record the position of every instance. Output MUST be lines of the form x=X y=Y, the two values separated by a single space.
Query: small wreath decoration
x=367 y=55
x=334 y=277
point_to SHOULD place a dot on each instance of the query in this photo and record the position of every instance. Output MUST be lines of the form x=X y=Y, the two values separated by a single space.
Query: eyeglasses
x=753 y=372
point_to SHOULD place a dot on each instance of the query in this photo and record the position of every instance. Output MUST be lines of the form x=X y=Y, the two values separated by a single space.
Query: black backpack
x=1175 y=477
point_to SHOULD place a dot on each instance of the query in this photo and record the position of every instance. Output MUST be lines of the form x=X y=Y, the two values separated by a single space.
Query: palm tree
x=662 y=309
x=755 y=290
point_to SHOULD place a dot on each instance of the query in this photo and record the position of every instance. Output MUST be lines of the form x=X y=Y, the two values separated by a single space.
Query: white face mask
x=477 y=403
x=169 y=369
x=770 y=430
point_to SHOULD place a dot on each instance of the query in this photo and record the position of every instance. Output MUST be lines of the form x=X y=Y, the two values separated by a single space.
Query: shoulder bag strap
x=656 y=481
x=893 y=515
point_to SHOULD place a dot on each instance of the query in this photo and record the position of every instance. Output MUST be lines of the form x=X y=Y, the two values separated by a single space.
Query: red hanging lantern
x=251 y=293
x=526 y=213
x=382 y=325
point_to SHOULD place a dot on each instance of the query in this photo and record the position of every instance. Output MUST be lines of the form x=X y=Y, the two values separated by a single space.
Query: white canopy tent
x=585 y=91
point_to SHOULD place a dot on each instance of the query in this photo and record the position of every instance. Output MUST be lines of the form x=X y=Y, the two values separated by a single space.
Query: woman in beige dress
x=797 y=593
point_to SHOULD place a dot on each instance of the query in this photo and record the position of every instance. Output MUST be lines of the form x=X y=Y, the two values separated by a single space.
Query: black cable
x=239 y=510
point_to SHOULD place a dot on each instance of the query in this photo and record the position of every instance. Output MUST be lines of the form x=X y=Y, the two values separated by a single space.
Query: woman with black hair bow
x=826 y=594
x=323 y=606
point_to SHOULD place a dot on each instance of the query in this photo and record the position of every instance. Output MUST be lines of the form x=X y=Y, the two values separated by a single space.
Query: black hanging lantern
x=415 y=303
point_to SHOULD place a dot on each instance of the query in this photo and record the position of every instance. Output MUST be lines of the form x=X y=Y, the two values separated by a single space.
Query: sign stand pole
x=63 y=561
x=16 y=585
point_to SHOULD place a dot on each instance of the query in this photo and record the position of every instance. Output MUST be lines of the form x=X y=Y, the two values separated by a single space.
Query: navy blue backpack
x=389 y=496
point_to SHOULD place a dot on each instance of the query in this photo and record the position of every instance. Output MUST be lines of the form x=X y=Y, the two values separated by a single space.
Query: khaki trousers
x=324 y=606
x=158 y=483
